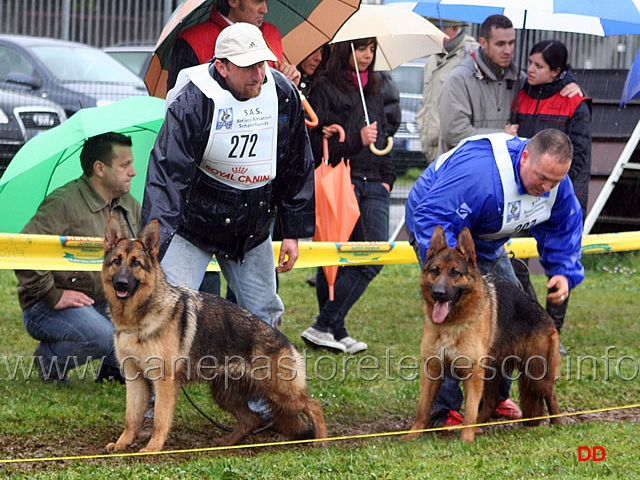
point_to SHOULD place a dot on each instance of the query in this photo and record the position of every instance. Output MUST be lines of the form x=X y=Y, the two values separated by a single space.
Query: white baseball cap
x=243 y=45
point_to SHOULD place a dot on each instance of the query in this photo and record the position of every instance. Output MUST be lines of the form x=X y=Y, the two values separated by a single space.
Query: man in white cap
x=233 y=151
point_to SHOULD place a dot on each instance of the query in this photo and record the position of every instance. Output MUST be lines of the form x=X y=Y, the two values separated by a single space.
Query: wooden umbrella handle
x=385 y=150
x=312 y=121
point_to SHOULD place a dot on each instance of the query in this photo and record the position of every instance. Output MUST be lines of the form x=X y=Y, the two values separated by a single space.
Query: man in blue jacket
x=497 y=185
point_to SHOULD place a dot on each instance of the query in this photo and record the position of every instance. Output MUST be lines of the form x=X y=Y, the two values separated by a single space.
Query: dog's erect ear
x=112 y=233
x=466 y=245
x=438 y=241
x=150 y=237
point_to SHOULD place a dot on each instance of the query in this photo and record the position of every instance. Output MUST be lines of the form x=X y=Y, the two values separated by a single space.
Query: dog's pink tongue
x=440 y=311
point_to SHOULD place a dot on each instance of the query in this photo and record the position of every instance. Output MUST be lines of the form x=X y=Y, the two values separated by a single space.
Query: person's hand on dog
x=288 y=255
x=73 y=298
x=558 y=287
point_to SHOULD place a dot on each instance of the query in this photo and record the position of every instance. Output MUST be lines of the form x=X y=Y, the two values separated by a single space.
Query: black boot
x=110 y=374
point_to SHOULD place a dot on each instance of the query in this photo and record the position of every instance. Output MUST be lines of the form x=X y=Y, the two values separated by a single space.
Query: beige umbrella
x=401 y=34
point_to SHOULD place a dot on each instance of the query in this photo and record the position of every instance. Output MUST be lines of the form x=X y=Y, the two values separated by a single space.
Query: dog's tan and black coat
x=168 y=335
x=481 y=327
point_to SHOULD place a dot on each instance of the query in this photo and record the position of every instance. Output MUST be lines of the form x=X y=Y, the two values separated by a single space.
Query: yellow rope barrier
x=51 y=252
x=296 y=442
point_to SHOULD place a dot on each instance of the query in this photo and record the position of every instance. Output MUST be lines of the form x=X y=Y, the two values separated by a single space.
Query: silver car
x=71 y=74
x=406 y=151
x=22 y=117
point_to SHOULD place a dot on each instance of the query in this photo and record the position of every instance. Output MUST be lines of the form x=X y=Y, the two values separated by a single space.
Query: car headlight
x=4 y=118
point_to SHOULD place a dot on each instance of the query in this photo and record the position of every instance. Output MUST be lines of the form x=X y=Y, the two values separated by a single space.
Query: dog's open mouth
x=440 y=311
x=122 y=294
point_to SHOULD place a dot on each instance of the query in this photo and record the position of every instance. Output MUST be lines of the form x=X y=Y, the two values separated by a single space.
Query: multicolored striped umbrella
x=304 y=26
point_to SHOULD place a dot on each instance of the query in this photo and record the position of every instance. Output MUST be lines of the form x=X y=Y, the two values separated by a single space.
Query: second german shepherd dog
x=479 y=327
x=168 y=335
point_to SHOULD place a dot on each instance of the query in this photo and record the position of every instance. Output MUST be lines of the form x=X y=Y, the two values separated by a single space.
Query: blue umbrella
x=52 y=158
x=594 y=17
x=632 y=83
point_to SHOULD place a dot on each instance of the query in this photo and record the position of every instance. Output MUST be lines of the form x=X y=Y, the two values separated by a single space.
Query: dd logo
x=594 y=454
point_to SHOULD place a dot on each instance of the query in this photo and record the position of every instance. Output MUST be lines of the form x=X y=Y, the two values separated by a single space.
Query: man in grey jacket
x=477 y=95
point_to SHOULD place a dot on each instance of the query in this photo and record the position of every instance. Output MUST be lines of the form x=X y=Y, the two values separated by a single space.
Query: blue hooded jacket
x=466 y=191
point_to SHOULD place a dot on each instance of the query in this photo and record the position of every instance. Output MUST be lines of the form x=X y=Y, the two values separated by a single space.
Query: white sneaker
x=352 y=345
x=322 y=339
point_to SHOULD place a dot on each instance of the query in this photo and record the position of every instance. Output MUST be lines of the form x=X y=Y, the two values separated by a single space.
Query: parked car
x=71 y=74
x=406 y=152
x=135 y=57
x=22 y=117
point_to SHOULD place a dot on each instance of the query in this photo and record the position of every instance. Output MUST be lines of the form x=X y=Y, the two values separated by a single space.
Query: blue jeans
x=450 y=396
x=352 y=281
x=253 y=281
x=71 y=337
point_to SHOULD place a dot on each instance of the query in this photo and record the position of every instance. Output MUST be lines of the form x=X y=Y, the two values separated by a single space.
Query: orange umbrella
x=304 y=25
x=337 y=209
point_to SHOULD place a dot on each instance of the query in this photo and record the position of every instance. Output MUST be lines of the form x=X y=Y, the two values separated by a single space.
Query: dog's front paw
x=114 y=447
x=148 y=449
x=410 y=436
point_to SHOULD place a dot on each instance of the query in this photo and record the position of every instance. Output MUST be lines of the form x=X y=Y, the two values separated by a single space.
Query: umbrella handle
x=312 y=121
x=385 y=150
x=325 y=140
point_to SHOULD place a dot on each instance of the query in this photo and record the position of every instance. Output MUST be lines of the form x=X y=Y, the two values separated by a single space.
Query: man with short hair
x=232 y=152
x=477 y=96
x=67 y=311
x=497 y=185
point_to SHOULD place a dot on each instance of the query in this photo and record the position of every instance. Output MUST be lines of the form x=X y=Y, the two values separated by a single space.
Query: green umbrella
x=52 y=158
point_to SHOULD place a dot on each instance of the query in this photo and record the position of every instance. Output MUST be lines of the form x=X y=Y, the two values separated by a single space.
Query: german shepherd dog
x=479 y=327
x=168 y=336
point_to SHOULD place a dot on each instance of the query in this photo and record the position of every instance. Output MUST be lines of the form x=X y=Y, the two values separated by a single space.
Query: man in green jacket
x=66 y=311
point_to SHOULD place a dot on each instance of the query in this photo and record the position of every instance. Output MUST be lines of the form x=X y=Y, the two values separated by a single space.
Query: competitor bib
x=520 y=211
x=241 y=150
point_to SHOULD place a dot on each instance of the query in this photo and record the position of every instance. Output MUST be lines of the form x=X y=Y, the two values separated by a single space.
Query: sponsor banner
x=51 y=252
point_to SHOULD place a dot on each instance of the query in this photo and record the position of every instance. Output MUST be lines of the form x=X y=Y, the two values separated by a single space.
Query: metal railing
x=95 y=22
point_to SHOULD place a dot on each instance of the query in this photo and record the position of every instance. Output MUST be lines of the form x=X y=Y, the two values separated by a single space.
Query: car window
x=136 y=61
x=13 y=62
x=70 y=64
x=408 y=78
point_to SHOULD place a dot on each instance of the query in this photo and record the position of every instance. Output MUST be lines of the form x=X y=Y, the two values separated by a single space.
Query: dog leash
x=222 y=427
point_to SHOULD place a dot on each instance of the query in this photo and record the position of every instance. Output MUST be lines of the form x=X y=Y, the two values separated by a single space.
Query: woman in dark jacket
x=541 y=106
x=336 y=99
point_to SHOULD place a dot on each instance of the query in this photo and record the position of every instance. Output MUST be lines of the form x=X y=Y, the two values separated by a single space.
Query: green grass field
x=367 y=399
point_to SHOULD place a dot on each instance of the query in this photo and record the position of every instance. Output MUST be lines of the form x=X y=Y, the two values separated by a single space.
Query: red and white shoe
x=453 y=419
x=508 y=409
